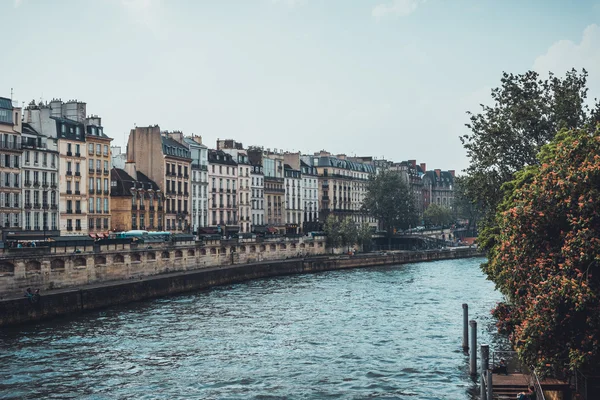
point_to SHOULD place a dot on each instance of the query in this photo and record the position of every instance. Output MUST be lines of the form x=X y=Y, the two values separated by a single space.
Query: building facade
x=10 y=167
x=240 y=156
x=99 y=162
x=294 y=207
x=222 y=186
x=257 y=187
x=164 y=159
x=310 y=198
x=137 y=202
x=439 y=188
x=40 y=185
x=199 y=182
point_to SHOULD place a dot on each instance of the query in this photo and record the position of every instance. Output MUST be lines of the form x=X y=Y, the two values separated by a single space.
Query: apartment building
x=99 y=167
x=222 y=202
x=10 y=164
x=40 y=185
x=240 y=156
x=164 y=159
x=257 y=187
x=310 y=198
x=199 y=182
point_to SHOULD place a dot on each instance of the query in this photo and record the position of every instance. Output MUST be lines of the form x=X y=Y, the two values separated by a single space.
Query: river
x=383 y=333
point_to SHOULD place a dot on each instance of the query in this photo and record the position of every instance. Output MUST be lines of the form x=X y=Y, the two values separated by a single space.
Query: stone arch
x=80 y=262
x=293 y=246
x=136 y=257
x=165 y=254
x=33 y=265
x=272 y=247
x=178 y=253
x=242 y=249
x=302 y=245
x=99 y=260
x=151 y=256
x=191 y=253
x=311 y=244
x=320 y=244
x=262 y=248
x=118 y=259
x=213 y=250
x=223 y=250
x=7 y=268
x=282 y=246
x=57 y=265
x=252 y=249
x=202 y=252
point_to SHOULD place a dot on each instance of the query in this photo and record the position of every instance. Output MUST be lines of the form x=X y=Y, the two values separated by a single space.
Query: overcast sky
x=388 y=78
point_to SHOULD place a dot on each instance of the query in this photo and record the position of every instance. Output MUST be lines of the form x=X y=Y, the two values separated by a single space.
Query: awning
x=272 y=230
x=93 y=235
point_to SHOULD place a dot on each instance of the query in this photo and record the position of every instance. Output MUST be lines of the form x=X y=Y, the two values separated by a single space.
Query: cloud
x=289 y=3
x=396 y=8
x=18 y=3
x=565 y=54
x=144 y=12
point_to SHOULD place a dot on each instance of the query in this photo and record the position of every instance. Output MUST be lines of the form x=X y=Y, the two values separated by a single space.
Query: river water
x=384 y=333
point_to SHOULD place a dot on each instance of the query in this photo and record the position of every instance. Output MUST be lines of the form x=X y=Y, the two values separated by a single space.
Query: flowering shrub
x=545 y=256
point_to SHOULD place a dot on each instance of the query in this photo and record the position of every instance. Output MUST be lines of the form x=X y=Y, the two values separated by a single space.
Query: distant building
x=413 y=174
x=164 y=159
x=240 y=156
x=257 y=188
x=99 y=167
x=310 y=197
x=222 y=203
x=274 y=188
x=10 y=167
x=293 y=200
x=439 y=188
x=137 y=201
x=199 y=194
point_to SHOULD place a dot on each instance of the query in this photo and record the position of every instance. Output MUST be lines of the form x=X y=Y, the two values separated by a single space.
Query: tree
x=546 y=256
x=506 y=137
x=390 y=201
x=348 y=233
x=437 y=215
x=464 y=206
x=365 y=237
x=332 y=229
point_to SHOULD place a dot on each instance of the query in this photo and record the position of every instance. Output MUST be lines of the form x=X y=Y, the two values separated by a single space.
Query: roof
x=192 y=142
x=330 y=161
x=6 y=103
x=444 y=179
x=125 y=182
x=220 y=157
x=167 y=142
x=26 y=128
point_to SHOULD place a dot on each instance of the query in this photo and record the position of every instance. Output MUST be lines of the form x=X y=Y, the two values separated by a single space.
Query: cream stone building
x=10 y=164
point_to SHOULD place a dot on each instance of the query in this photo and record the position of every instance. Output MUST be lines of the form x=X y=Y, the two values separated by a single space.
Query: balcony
x=186 y=193
x=7 y=205
x=77 y=173
x=69 y=173
x=151 y=208
x=98 y=171
x=91 y=211
x=91 y=171
x=134 y=207
x=91 y=191
x=186 y=177
x=142 y=207
x=27 y=182
x=53 y=185
x=69 y=228
x=77 y=211
x=45 y=185
x=36 y=184
x=27 y=205
x=106 y=192
x=78 y=228
x=54 y=207
x=69 y=154
x=214 y=190
x=4 y=144
x=77 y=154
x=69 y=211
x=37 y=206
x=105 y=172
x=69 y=191
x=160 y=208
x=45 y=206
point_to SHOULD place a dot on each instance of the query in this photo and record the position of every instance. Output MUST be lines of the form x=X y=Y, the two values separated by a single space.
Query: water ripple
x=380 y=333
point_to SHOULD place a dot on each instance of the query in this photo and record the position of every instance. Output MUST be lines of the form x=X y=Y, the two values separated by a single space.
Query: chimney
x=451 y=172
x=130 y=169
x=197 y=139
x=424 y=167
x=413 y=163
x=438 y=172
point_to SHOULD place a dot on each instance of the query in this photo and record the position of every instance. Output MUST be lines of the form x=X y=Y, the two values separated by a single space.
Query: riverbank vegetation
x=538 y=194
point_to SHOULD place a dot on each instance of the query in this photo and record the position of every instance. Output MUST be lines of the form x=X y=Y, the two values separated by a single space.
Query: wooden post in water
x=485 y=363
x=465 y=341
x=490 y=385
x=473 y=352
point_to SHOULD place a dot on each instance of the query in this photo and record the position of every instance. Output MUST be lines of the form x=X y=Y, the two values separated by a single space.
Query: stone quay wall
x=72 y=301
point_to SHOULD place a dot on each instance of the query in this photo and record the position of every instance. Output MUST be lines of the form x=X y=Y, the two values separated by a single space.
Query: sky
x=387 y=78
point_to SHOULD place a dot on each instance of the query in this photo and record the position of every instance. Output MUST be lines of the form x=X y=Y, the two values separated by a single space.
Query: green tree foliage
x=332 y=229
x=546 y=254
x=365 y=237
x=390 y=201
x=348 y=232
x=464 y=206
x=436 y=215
x=505 y=137
x=343 y=232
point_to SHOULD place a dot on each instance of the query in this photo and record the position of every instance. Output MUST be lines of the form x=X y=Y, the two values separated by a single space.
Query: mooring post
x=473 y=352
x=490 y=385
x=465 y=342
x=485 y=363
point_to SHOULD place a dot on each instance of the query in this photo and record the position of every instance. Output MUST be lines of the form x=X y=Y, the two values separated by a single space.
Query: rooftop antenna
x=11 y=94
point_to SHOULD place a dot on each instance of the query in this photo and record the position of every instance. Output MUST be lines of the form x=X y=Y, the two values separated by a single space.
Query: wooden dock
x=506 y=387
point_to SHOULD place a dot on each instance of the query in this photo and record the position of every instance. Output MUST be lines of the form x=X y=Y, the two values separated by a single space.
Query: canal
x=385 y=333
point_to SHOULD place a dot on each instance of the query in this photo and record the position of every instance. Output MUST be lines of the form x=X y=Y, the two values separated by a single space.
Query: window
x=106 y=184
x=91 y=223
x=90 y=148
x=98 y=184
x=91 y=184
x=105 y=150
x=77 y=148
x=77 y=170
x=78 y=224
x=91 y=204
x=106 y=165
x=91 y=164
x=69 y=167
x=105 y=205
x=98 y=204
x=98 y=149
x=78 y=205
